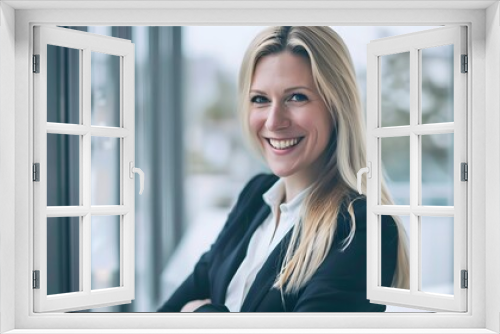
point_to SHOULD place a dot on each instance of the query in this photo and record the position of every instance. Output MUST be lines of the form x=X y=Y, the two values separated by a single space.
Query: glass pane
x=396 y=167
x=437 y=84
x=105 y=89
x=388 y=246
x=437 y=254
x=105 y=252
x=63 y=85
x=105 y=171
x=63 y=255
x=437 y=169
x=395 y=89
x=63 y=170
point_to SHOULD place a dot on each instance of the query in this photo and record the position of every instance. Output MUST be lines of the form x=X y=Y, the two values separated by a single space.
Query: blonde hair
x=335 y=187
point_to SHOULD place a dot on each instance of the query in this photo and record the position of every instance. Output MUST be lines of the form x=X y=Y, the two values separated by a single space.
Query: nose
x=277 y=117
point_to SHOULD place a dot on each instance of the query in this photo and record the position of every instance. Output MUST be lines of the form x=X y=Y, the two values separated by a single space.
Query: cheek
x=325 y=133
x=323 y=125
x=255 y=121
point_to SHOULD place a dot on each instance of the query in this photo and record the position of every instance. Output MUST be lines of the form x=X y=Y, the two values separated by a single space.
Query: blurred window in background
x=189 y=144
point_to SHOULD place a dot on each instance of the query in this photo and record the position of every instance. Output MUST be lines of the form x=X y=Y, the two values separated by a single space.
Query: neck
x=294 y=185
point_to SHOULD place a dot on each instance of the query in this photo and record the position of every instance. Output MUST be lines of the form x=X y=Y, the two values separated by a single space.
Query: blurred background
x=189 y=144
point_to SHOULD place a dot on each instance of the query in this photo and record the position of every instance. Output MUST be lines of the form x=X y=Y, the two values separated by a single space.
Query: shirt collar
x=275 y=194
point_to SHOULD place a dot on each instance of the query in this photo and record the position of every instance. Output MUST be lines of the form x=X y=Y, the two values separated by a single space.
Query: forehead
x=282 y=69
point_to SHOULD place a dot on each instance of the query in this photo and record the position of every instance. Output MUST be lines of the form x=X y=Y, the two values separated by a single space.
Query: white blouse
x=263 y=242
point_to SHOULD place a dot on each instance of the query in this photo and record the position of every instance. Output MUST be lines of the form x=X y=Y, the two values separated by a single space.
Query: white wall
x=7 y=161
x=492 y=165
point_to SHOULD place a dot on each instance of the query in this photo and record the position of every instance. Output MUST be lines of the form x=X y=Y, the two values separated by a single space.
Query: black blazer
x=339 y=284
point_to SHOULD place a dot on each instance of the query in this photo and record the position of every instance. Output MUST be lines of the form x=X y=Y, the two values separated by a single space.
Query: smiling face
x=288 y=117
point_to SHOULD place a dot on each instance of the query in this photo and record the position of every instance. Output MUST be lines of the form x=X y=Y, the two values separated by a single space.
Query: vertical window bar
x=414 y=169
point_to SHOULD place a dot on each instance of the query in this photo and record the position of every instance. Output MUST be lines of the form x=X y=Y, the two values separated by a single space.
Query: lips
x=283 y=144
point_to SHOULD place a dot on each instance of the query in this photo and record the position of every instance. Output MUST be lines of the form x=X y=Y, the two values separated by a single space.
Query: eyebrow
x=286 y=90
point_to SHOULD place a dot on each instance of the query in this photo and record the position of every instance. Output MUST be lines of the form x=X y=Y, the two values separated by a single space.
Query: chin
x=281 y=172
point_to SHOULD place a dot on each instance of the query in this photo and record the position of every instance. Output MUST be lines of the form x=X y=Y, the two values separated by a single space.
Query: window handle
x=367 y=170
x=133 y=170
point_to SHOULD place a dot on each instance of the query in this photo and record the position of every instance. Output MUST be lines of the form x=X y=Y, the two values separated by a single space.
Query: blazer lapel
x=266 y=276
x=233 y=261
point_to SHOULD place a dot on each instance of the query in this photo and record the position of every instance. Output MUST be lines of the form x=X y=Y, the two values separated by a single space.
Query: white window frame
x=413 y=44
x=483 y=122
x=86 y=44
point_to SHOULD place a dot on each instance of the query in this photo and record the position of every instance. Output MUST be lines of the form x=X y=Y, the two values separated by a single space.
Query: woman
x=296 y=240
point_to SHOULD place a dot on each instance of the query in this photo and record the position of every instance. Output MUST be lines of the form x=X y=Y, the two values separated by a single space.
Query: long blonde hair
x=335 y=187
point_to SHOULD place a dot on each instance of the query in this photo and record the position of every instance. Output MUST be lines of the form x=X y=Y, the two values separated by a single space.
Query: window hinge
x=465 y=279
x=36 y=279
x=465 y=64
x=464 y=171
x=36 y=172
x=36 y=63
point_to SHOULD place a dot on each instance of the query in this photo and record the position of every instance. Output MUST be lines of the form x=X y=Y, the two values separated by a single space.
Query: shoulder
x=249 y=201
x=351 y=207
x=260 y=182
x=358 y=205
x=254 y=188
x=358 y=208
x=250 y=197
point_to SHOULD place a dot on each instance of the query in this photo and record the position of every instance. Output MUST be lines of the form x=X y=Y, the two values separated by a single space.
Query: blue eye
x=298 y=97
x=259 y=99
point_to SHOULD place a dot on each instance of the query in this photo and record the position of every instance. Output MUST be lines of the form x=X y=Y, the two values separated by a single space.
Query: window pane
x=437 y=84
x=395 y=89
x=404 y=222
x=396 y=167
x=63 y=170
x=437 y=254
x=105 y=252
x=63 y=255
x=105 y=89
x=437 y=169
x=63 y=85
x=105 y=171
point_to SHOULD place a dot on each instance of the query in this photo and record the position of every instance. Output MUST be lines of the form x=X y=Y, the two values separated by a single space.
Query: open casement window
x=417 y=145
x=84 y=169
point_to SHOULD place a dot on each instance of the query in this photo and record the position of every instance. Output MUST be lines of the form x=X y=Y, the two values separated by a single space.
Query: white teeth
x=283 y=144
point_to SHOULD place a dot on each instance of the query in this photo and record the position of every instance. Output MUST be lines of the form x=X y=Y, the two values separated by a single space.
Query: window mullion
x=414 y=173
x=86 y=178
x=127 y=155
x=85 y=246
